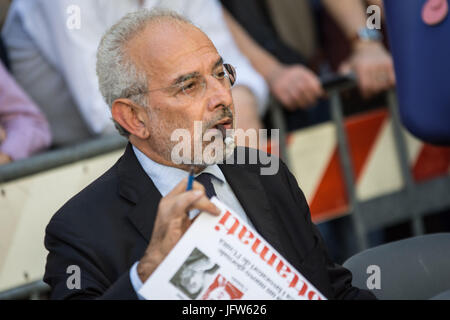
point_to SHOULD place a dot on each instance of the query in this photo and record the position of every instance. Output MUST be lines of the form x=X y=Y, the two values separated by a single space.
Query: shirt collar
x=166 y=178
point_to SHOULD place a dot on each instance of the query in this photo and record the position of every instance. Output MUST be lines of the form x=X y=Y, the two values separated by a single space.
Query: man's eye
x=220 y=75
x=189 y=87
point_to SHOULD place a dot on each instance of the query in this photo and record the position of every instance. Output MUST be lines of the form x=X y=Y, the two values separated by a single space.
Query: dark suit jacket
x=106 y=228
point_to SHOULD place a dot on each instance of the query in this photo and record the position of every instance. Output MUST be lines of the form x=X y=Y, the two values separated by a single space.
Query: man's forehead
x=171 y=48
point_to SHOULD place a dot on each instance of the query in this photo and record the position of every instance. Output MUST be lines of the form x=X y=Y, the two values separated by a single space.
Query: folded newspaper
x=223 y=258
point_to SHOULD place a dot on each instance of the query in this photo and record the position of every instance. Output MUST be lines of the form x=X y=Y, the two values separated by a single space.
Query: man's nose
x=218 y=94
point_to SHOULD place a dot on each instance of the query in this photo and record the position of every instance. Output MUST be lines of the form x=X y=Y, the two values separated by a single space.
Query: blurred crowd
x=49 y=94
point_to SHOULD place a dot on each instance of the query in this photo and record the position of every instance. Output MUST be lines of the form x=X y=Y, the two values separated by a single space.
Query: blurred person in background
x=291 y=43
x=285 y=48
x=52 y=47
x=4 y=6
x=367 y=56
x=23 y=128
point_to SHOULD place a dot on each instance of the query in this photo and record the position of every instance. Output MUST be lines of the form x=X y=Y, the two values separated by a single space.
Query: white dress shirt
x=55 y=64
x=166 y=178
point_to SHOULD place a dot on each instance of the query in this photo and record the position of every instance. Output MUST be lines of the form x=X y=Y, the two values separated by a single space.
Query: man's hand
x=172 y=221
x=373 y=67
x=295 y=86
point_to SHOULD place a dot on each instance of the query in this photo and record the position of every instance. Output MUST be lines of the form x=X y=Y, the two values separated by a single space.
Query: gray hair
x=117 y=74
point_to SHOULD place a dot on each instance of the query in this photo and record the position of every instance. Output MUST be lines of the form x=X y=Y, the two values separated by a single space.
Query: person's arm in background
x=71 y=49
x=294 y=86
x=23 y=128
x=250 y=92
x=370 y=61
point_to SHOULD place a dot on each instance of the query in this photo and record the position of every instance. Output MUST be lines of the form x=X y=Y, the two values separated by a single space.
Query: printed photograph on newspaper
x=224 y=258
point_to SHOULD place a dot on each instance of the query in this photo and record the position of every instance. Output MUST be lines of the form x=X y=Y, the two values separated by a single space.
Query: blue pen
x=190 y=179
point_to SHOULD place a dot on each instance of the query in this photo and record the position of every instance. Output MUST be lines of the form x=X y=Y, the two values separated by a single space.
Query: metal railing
x=412 y=202
x=36 y=290
x=56 y=158
x=47 y=161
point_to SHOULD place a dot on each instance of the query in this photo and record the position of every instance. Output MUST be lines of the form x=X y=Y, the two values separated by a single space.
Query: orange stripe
x=330 y=199
x=432 y=162
x=362 y=132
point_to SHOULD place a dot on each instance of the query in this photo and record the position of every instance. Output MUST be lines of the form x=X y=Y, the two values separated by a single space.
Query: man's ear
x=130 y=117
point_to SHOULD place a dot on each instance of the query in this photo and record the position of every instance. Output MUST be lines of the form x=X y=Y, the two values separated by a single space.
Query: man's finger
x=204 y=204
x=303 y=96
x=193 y=199
x=314 y=85
x=365 y=81
x=183 y=202
x=179 y=188
x=198 y=186
x=318 y=89
x=286 y=99
x=295 y=98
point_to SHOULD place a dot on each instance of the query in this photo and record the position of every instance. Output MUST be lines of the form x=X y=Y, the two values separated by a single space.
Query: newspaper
x=223 y=258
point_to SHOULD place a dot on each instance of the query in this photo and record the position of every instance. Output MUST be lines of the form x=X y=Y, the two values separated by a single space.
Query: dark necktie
x=205 y=180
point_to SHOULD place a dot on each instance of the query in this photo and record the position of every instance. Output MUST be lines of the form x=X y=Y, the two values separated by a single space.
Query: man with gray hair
x=159 y=73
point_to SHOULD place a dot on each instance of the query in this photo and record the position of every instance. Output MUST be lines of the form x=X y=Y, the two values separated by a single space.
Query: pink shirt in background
x=27 y=130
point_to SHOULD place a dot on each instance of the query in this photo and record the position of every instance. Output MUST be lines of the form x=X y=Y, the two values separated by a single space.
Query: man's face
x=170 y=52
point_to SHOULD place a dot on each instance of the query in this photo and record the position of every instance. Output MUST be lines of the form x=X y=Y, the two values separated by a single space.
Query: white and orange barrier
x=314 y=160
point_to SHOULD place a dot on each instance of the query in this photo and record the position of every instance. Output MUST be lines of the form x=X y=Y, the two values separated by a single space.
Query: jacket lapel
x=249 y=191
x=138 y=188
